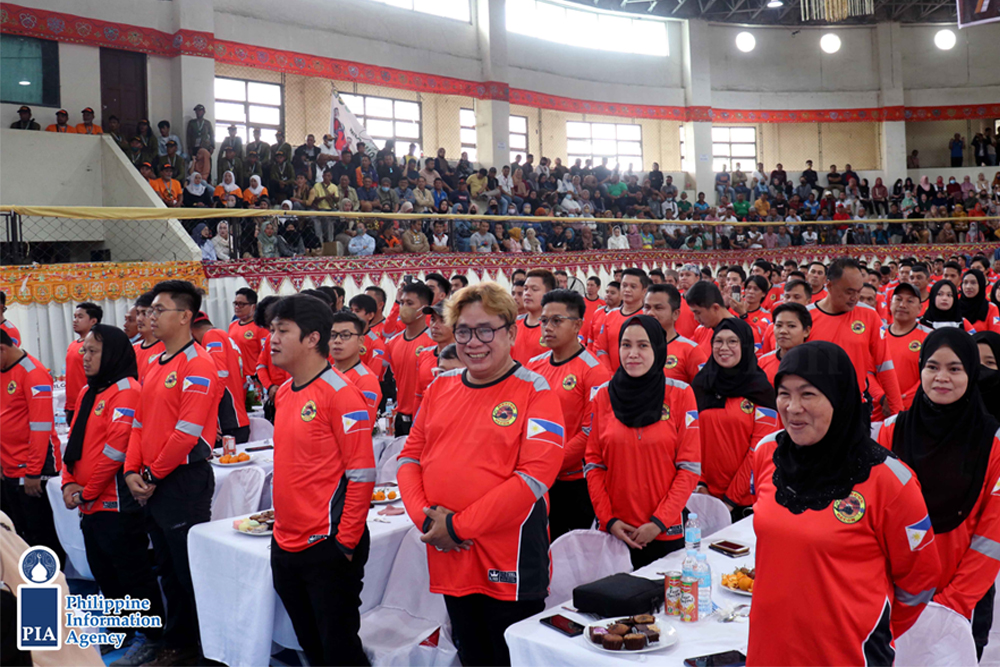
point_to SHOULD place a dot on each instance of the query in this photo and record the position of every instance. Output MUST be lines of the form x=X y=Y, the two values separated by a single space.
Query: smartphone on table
x=730 y=548
x=567 y=626
x=724 y=659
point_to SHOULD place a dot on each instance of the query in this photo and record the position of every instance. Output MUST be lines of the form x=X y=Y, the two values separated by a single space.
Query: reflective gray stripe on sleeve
x=360 y=474
x=536 y=487
x=41 y=426
x=899 y=468
x=886 y=366
x=260 y=366
x=911 y=599
x=136 y=423
x=407 y=459
x=690 y=466
x=593 y=466
x=985 y=546
x=122 y=384
x=188 y=428
x=223 y=374
x=114 y=454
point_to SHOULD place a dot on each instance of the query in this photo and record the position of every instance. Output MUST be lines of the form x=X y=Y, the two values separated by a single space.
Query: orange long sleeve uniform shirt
x=175 y=422
x=728 y=435
x=29 y=446
x=76 y=379
x=12 y=331
x=685 y=324
x=426 y=363
x=373 y=354
x=642 y=475
x=324 y=466
x=858 y=332
x=904 y=351
x=969 y=554
x=594 y=327
x=229 y=365
x=248 y=337
x=146 y=356
x=362 y=378
x=391 y=325
x=606 y=345
x=402 y=355
x=100 y=468
x=528 y=343
x=591 y=309
x=492 y=463
x=269 y=374
x=573 y=381
x=684 y=359
x=864 y=557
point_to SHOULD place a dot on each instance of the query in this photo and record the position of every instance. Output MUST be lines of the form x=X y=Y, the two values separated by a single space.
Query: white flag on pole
x=346 y=129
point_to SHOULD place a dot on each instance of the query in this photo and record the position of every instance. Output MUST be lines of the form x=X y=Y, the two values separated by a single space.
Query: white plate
x=668 y=637
x=736 y=591
x=215 y=461
x=267 y=534
x=387 y=489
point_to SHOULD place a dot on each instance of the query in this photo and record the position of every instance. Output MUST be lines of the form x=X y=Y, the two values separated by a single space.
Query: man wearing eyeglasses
x=244 y=331
x=572 y=372
x=345 y=355
x=403 y=349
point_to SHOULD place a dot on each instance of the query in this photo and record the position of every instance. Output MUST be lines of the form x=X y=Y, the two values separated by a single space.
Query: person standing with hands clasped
x=324 y=474
x=842 y=529
x=953 y=445
x=475 y=480
x=643 y=456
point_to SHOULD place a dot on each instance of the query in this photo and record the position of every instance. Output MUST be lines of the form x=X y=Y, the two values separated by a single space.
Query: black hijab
x=812 y=477
x=117 y=363
x=989 y=379
x=935 y=317
x=975 y=309
x=638 y=401
x=948 y=446
x=714 y=384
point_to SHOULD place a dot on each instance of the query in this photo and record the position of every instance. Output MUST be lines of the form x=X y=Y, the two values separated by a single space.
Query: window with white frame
x=248 y=104
x=449 y=9
x=467 y=130
x=733 y=144
x=620 y=143
x=518 y=137
x=386 y=118
x=580 y=26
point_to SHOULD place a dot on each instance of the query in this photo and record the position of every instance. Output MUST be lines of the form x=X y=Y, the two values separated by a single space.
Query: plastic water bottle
x=703 y=573
x=690 y=560
x=390 y=417
x=692 y=532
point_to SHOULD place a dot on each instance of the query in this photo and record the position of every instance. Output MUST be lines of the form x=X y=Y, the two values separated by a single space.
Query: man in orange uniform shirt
x=856 y=328
x=378 y=322
x=233 y=418
x=688 y=275
x=816 y=277
x=474 y=480
x=684 y=357
x=149 y=347
x=904 y=338
x=271 y=377
x=85 y=317
x=440 y=333
x=594 y=303
x=324 y=474
x=612 y=300
x=528 y=343
x=244 y=330
x=573 y=373
x=61 y=125
x=634 y=283
x=404 y=348
x=29 y=450
x=345 y=350
x=166 y=467
x=6 y=324
x=372 y=346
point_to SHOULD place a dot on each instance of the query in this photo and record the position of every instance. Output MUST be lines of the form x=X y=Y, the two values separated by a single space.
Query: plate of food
x=644 y=633
x=740 y=581
x=257 y=525
x=227 y=461
x=383 y=494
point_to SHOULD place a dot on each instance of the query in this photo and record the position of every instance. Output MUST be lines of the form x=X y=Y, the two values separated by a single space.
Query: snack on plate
x=644 y=619
x=392 y=495
x=242 y=456
x=612 y=642
x=597 y=634
x=626 y=633
x=740 y=580
x=619 y=629
x=378 y=495
x=635 y=641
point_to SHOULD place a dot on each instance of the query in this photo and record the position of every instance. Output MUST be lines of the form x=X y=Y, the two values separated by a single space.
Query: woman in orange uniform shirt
x=735 y=410
x=842 y=530
x=950 y=441
x=981 y=314
x=643 y=457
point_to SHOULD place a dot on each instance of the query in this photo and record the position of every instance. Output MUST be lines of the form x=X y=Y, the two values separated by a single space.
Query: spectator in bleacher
x=778 y=174
x=254 y=191
x=202 y=164
x=327 y=155
x=387 y=242
x=304 y=159
x=227 y=186
x=88 y=126
x=368 y=195
x=202 y=236
x=913 y=160
x=165 y=136
x=196 y=193
x=168 y=189
x=345 y=191
x=25 y=121
x=281 y=145
x=113 y=129
x=61 y=125
x=957 y=148
x=389 y=169
x=430 y=174
x=232 y=141
x=135 y=154
x=403 y=192
x=835 y=180
x=221 y=241
x=810 y=175
x=150 y=146
x=346 y=167
x=146 y=171
x=174 y=160
x=414 y=240
x=231 y=163
x=422 y=196
x=387 y=196
x=323 y=196
x=260 y=147
x=282 y=176
x=199 y=132
x=362 y=170
x=267 y=241
x=300 y=194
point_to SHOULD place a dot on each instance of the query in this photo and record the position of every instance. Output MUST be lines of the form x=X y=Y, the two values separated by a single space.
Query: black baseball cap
x=906 y=287
x=199 y=106
x=24 y=109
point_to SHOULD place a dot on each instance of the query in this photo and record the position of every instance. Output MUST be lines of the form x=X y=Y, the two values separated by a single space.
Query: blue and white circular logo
x=38 y=565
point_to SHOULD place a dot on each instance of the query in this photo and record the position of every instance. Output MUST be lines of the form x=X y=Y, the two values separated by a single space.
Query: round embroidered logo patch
x=171 y=380
x=849 y=509
x=746 y=406
x=569 y=382
x=11 y=386
x=248 y=334
x=665 y=413
x=308 y=412
x=671 y=362
x=505 y=414
x=915 y=346
x=99 y=409
x=858 y=327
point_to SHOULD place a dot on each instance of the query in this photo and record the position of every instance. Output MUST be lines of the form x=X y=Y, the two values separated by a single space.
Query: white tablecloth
x=532 y=643
x=238 y=611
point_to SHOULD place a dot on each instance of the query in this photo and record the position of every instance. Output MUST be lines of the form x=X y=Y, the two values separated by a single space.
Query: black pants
x=571 y=508
x=403 y=424
x=321 y=591
x=116 y=552
x=956 y=161
x=478 y=623
x=241 y=433
x=655 y=550
x=982 y=621
x=32 y=516
x=69 y=417
x=182 y=500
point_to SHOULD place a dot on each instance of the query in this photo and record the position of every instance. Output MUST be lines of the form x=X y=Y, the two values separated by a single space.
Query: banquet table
x=238 y=611
x=532 y=643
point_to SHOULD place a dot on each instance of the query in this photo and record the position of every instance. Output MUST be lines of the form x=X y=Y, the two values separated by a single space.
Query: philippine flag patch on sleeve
x=919 y=534
x=548 y=431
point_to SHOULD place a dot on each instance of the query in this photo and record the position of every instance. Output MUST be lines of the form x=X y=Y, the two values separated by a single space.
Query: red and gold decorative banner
x=62 y=283
x=32 y=22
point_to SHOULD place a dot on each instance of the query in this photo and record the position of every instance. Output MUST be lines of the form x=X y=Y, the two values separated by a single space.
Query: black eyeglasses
x=241 y=304
x=343 y=335
x=485 y=334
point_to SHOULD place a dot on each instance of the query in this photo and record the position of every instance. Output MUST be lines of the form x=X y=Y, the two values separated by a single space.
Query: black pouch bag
x=619 y=595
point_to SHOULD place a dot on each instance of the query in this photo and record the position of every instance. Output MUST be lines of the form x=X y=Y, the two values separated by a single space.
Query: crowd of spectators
x=603 y=206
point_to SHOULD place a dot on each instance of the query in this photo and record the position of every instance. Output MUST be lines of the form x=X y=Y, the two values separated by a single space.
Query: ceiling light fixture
x=774 y=4
x=24 y=83
x=830 y=43
x=945 y=40
x=745 y=42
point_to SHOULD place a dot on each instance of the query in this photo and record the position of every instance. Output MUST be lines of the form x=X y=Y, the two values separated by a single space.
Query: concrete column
x=695 y=48
x=492 y=116
x=193 y=77
x=889 y=40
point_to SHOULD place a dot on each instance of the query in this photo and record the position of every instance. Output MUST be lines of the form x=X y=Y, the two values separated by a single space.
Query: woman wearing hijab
x=93 y=479
x=268 y=241
x=953 y=445
x=841 y=526
x=989 y=377
x=634 y=237
x=924 y=188
x=221 y=241
x=290 y=242
x=735 y=410
x=228 y=187
x=943 y=309
x=255 y=191
x=643 y=457
x=617 y=240
x=196 y=192
x=531 y=242
x=972 y=303
x=202 y=164
x=202 y=236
